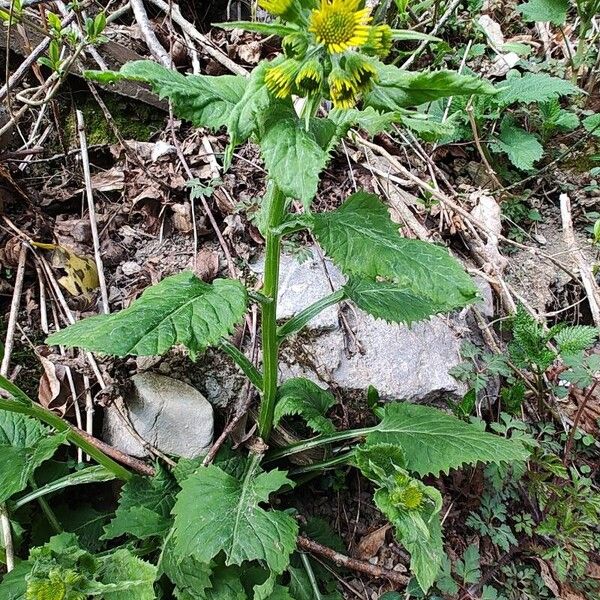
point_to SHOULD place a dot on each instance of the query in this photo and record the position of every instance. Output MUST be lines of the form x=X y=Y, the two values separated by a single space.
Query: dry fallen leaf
x=81 y=277
x=53 y=391
x=205 y=264
x=370 y=544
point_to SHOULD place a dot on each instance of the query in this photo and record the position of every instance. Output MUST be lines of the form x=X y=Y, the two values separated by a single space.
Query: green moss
x=134 y=120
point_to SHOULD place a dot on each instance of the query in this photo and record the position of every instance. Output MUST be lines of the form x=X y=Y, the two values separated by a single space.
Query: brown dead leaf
x=546 y=575
x=370 y=544
x=182 y=217
x=250 y=52
x=53 y=390
x=205 y=265
x=109 y=181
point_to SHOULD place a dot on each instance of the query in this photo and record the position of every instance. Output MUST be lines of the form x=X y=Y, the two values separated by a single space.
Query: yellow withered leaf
x=81 y=274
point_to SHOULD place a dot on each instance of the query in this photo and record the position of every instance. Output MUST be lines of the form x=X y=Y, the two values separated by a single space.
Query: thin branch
x=155 y=47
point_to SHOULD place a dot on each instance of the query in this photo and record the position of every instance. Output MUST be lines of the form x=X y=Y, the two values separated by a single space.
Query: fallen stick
x=353 y=564
x=585 y=271
x=155 y=47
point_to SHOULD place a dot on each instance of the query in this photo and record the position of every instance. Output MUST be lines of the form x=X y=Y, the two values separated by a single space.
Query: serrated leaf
x=181 y=309
x=204 y=100
x=226 y=584
x=553 y=11
x=124 y=576
x=230 y=519
x=592 y=124
x=522 y=148
x=299 y=396
x=397 y=89
x=388 y=301
x=144 y=507
x=24 y=445
x=533 y=87
x=373 y=460
x=256 y=27
x=435 y=441
x=576 y=338
x=292 y=155
x=467 y=568
x=362 y=240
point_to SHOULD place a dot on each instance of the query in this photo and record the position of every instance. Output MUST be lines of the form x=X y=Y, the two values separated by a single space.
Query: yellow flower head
x=342 y=89
x=280 y=78
x=380 y=41
x=310 y=77
x=409 y=498
x=340 y=24
x=361 y=71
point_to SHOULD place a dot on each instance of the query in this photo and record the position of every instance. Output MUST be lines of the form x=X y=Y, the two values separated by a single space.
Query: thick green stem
x=39 y=412
x=270 y=343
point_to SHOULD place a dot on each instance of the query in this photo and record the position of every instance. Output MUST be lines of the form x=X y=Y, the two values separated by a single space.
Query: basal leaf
x=522 y=148
x=24 y=445
x=362 y=240
x=123 y=576
x=397 y=89
x=434 y=441
x=144 y=507
x=181 y=309
x=216 y=512
x=553 y=11
x=292 y=155
x=390 y=302
x=299 y=396
x=533 y=87
x=204 y=100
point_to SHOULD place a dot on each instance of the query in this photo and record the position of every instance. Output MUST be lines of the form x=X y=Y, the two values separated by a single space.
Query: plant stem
x=39 y=412
x=339 y=436
x=270 y=343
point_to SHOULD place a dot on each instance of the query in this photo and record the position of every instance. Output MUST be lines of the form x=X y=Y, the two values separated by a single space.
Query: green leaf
x=523 y=148
x=181 y=309
x=376 y=461
x=204 y=100
x=299 y=396
x=292 y=155
x=397 y=89
x=468 y=567
x=301 y=587
x=390 y=302
x=216 y=512
x=592 y=124
x=362 y=240
x=123 y=576
x=372 y=121
x=533 y=87
x=24 y=445
x=576 y=338
x=434 y=441
x=14 y=584
x=553 y=11
x=226 y=584
x=256 y=27
x=144 y=507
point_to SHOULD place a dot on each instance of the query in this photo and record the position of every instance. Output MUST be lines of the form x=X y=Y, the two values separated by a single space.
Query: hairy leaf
x=533 y=87
x=256 y=27
x=522 y=148
x=390 y=302
x=553 y=11
x=592 y=124
x=292 y=155
x=24 y=445
x=397 y=89
x=362 y=240
x=204 y=100
x=144 y=507
x=181 y=309
x=299 y=396
x=123 y=576
x=576 y=338
x=228 y=518
x=373 y=460
x=434 y=441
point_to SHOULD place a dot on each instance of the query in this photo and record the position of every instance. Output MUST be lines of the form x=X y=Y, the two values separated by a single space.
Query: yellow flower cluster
x=329 y=54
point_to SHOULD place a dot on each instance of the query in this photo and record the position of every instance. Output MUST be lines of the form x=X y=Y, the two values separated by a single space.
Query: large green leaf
x=292 y=155
x=398 y=89
x=123 y=576
x=204 y=100
x=362 y=240
x=299 y=396
x=181 y=309
x=216 y=512
x=24 y=445
x=434 y=441
x=390 y=302
x=522 y=148
x=553 y=11
x=144 y=507
x=533 y=87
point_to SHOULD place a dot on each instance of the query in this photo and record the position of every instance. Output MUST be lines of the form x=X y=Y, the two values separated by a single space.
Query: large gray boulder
x=169 y=414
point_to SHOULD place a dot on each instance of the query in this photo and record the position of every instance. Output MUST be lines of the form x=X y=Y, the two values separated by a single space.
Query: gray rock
x=302 y=284
x=402 y=362
x=169 y=414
